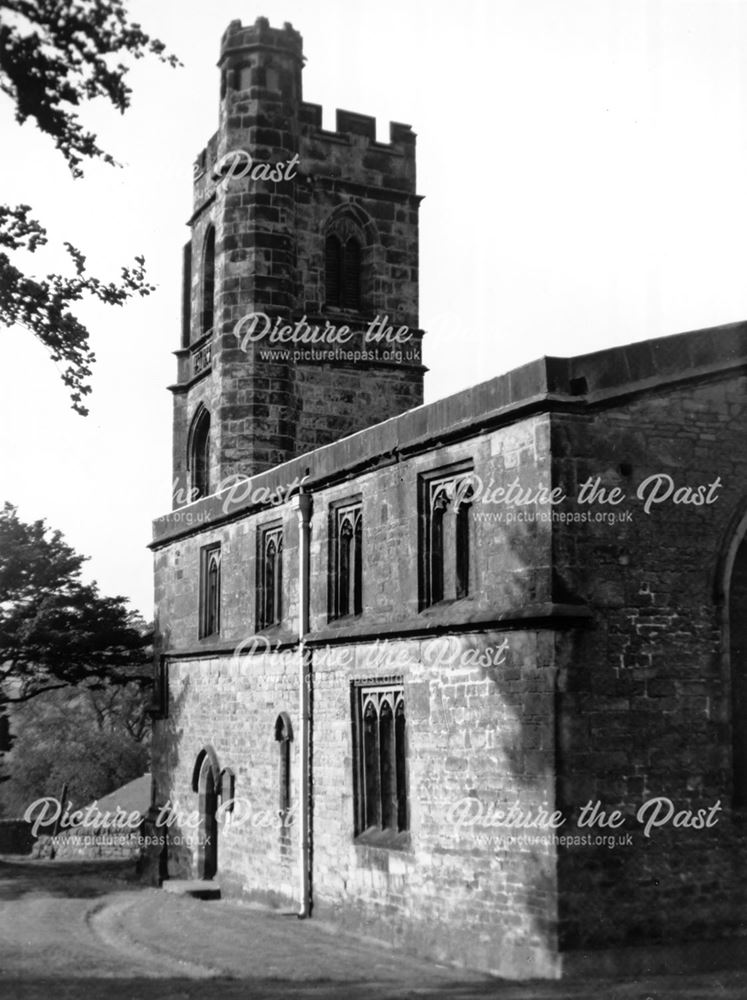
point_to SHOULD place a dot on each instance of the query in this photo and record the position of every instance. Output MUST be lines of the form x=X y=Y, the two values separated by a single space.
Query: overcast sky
x=584 y=166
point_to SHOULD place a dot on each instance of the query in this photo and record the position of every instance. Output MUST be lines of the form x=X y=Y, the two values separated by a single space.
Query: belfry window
x=269 y=576
x=210 y=587
x=379 y=739
x=199 y=455
x=446 y=542
x=208 y=281
x=343 y=272
x=346 y=560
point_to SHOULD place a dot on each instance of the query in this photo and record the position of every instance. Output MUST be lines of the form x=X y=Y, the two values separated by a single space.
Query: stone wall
x=615 y=687
x=645 y=700
x=91 y=843
x=479 y=707
x=510 y=561
x=478 y=738
x=231 y=703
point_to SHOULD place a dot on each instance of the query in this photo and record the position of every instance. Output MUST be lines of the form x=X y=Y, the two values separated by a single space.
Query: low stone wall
x=101 y=842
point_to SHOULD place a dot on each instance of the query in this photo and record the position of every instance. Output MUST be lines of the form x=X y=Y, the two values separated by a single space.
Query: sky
x=584 y=167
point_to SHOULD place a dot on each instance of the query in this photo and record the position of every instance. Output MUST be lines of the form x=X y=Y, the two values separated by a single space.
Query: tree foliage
x=93 y=741
x=55 y=55
x=41 y=305
x=56 y=630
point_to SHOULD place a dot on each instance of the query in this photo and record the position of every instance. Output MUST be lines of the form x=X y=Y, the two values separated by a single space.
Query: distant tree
x=56 y=630
x=54 y=56
x=92 y=741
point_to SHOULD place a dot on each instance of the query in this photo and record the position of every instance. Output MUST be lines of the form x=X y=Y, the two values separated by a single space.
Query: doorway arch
x=206 y=782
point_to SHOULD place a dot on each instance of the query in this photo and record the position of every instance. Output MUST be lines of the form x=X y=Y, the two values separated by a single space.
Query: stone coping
x=549 y=384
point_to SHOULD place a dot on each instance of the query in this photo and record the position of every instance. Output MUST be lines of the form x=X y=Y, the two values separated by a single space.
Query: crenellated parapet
x=303 y=226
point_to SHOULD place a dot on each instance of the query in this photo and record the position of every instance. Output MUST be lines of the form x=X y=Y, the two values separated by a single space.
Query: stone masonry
x=595 y=658
x=269 y=258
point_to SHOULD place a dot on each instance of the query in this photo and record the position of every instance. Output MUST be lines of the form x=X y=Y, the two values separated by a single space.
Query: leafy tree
x=93 y=741
x=56 y=630
x=54 y=56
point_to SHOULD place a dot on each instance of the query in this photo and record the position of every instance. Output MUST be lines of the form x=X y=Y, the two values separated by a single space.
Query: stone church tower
x=331 y=244
x=477 y=707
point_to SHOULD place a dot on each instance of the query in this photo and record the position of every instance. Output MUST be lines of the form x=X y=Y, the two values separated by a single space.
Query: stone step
x=197 y=888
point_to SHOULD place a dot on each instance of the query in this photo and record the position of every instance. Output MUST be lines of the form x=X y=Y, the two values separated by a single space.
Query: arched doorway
x=206 y=782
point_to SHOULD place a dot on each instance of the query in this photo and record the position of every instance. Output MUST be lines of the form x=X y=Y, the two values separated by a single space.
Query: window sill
x=447 y=604
x=386 y=839
x=350 y=314
x=342 y=620
x=273 y=631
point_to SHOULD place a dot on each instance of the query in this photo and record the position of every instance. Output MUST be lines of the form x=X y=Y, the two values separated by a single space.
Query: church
x=468 y=677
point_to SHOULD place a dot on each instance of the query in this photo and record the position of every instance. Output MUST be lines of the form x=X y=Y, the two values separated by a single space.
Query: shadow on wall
x=175 y=857
x=484 y=729
x=645 y=713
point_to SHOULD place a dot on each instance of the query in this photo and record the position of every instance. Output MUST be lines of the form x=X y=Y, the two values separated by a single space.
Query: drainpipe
x=304 y=680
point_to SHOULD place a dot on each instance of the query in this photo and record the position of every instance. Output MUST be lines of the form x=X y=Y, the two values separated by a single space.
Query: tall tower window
x=199 y=455
x=343 y=272
x=351 y=275
x=208 y=281
x=186 y=294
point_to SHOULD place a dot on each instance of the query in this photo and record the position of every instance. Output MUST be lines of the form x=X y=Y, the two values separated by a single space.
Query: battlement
x=290 y=220
x=205 y=159
x=351 y=123
x=238 y=38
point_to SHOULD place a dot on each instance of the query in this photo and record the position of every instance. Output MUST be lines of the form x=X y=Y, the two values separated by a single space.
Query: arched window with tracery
x=210 y=588
x=343 y=272
x=199 y=455
x=332 y=270
x=269 y=576
x=347 y=247
x=208 y=281
x=380 y=759
x=446 y=535
x=346 y=558
x=351 y=274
